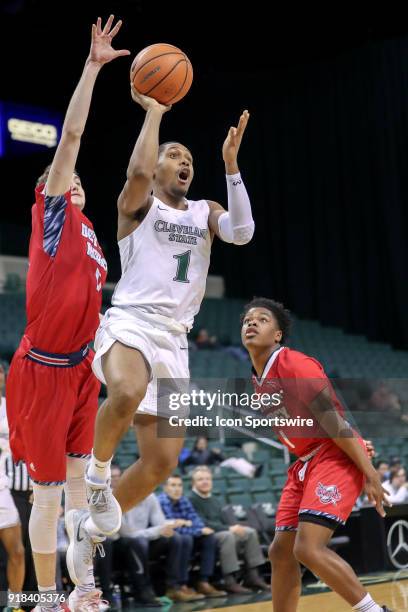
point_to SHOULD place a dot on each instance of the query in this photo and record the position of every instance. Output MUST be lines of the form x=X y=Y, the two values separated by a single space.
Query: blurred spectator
x=205 y=341
x=201 y=454
x=233 y=540
x=383 y=470
x=395 y=465
x=201 y=538
x=397 y=487
x=146 y=534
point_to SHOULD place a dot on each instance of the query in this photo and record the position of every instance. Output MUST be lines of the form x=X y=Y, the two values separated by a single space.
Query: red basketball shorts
x=51 y=413
x=322 y=490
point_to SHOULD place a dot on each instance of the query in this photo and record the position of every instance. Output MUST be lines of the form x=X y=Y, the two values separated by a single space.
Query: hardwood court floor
x=394 y=594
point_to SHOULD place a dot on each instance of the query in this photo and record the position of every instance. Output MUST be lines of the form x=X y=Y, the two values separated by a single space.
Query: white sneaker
x=89 y=602
x=82 y=548
x=103 y=507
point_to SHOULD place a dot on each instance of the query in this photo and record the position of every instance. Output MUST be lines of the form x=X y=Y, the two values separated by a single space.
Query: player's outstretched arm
x=236 y=225
x=136 y=192
x=342 y=435
x=101 y=52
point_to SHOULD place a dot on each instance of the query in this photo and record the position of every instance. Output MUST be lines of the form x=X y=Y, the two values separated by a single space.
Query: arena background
x=325 y=156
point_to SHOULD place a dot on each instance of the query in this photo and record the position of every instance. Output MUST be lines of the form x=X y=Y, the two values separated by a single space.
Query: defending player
x=332 y=469
x=52 y=394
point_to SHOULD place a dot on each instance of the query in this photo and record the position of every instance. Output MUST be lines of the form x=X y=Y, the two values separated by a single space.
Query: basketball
x=163 y=72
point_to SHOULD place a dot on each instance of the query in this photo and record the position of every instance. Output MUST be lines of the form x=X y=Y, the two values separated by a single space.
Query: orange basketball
x=162 y=72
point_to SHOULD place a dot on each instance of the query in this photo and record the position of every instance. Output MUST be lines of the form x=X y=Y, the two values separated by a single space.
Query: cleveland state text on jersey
x=181 y=233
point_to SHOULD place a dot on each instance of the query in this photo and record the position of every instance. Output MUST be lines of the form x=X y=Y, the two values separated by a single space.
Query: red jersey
x=298 y=379
x=67 y=271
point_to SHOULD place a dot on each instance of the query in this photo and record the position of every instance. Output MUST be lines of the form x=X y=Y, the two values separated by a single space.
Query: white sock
x=367 y=605
x=93 y=531
x=98 y=471
x=48 y=589
x=83 y=589
x=51 y=588
x=12 y=596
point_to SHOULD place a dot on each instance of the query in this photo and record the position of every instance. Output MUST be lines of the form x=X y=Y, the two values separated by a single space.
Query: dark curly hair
x=281 y=314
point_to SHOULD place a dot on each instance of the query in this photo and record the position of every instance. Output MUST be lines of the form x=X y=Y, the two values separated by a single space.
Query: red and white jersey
x=67 y=271
x=298 y=379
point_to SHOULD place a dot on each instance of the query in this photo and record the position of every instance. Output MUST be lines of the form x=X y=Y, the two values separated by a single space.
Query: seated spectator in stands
x=383 y=469
x=178 y=508
x=145 y=533
x=395 y=465
x=397 y=487
x=233 y=540
x=205 y=341
x=385 y=400
x=201 y=454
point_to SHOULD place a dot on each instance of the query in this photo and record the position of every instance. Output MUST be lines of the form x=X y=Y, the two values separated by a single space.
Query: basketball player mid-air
x=165 y=244
x=332 y=469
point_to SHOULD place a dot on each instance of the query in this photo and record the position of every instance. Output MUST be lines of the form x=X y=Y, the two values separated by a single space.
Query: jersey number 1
x=183 y=262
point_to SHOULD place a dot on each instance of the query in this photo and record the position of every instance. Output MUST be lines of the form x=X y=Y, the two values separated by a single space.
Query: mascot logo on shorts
x=328 y=495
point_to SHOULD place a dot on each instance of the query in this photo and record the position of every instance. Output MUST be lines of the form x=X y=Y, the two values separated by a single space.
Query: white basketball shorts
x=9 y=516
x=166 y=354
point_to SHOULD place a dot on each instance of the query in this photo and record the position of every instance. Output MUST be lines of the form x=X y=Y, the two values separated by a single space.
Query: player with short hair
x=51 y=391
x=332 y=467
x=165 y=244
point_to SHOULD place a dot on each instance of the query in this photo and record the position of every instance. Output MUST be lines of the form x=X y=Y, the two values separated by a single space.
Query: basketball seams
x=164 y=77
x=154 y=58
x=185 y=79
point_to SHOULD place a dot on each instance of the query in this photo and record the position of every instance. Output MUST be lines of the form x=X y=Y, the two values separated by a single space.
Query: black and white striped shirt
x=18 y=476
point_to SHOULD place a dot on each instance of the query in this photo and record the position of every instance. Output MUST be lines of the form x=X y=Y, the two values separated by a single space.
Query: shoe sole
x=69 y=524
x=117 y=527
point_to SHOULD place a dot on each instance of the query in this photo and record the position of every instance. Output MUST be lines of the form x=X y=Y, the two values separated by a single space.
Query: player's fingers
x=108 y=24
x=385 y=498
x=370 y=498
x=93 y=33
x=116 y=29
x=241 y=125
x=122 y=52
x=98 y=25
x=379 y=507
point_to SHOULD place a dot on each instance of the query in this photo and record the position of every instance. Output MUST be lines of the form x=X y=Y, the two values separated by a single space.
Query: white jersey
x=165 y=262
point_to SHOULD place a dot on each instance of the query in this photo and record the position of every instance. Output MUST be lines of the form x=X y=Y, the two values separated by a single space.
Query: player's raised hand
x=376 y=494
x=233 y=140
x=102 y=51
x=146 y=102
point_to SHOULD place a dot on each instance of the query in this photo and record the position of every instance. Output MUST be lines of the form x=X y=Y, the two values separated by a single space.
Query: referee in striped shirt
x=19 y=479
x=21 y=491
